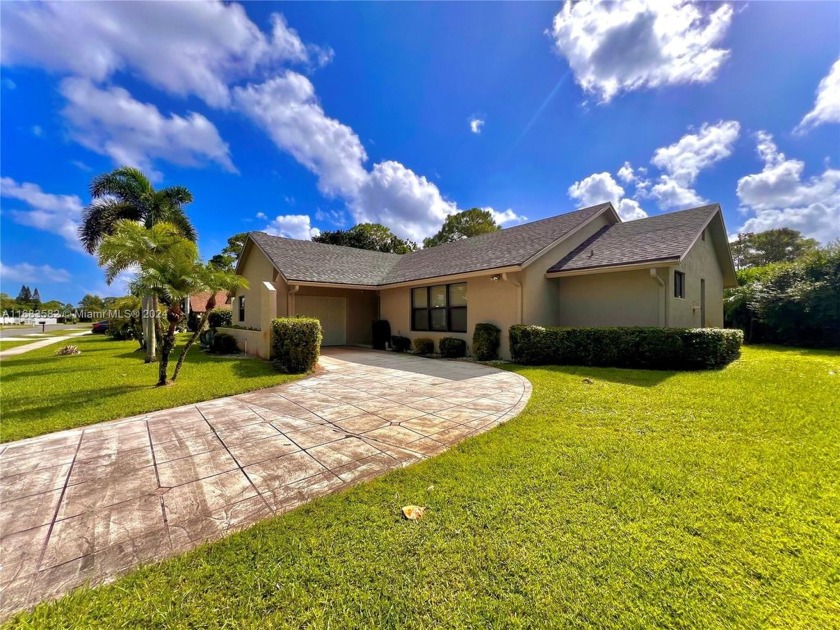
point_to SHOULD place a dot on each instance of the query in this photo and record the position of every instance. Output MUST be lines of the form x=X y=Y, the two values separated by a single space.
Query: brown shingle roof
x=663 y=237
x=305 y=261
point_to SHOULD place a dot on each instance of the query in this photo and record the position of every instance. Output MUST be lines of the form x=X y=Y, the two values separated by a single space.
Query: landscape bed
x=618 y=498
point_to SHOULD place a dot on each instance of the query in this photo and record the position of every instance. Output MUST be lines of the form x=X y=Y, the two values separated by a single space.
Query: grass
x=42 y=392
x=5 y=345
x=645 y=499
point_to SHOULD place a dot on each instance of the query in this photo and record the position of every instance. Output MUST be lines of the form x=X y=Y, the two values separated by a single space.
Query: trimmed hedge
x=424 y=345
x=400 y=343
x=485 y=342
x=453 y=348
x=220 y=317
x=224 y=343
x=652 y=348
x=381 y=333
x=296 y=342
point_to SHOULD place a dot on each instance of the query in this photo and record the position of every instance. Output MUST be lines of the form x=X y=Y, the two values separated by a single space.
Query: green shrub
x=424 y=345
x=224 y=343
x=220 y=317
x=485 y=342
x=453 y=348
x=400 y=344
x=297 y=343
x=381 y=333
x=652 y=348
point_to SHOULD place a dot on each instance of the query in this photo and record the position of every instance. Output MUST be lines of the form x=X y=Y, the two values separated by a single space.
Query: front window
x=241 y=309
x=441 y=308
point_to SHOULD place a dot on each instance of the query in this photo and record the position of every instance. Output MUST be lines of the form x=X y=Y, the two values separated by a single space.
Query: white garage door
x=331 y=311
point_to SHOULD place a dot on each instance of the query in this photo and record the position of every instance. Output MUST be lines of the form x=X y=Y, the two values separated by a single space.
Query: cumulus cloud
x=827 y=106
x=288 y=110
x=623 y=46
x=292 y=226
x=505 y=217
x=110 y=122
x=685 y=159
x=26 y=272
x=601 y=188
x=626 y=173
x=396 y=196
x=58 y=214
x=183 y=48
x=778 y=196
x=476 y=124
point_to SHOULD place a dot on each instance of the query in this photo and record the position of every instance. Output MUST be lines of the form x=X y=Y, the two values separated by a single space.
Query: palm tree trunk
x=173 y=316
x=199 y=329
x=148 y=327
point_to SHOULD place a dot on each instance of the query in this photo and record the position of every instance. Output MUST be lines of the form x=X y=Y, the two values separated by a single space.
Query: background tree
x=756 y=249
x=464 y=225
x=36 y=298
x=92 y=303
x=126 y=194
x=372 y=236
x=24 y=295
x=226 y=260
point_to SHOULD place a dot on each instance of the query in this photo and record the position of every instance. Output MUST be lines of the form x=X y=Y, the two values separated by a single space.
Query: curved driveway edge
x=89 y=504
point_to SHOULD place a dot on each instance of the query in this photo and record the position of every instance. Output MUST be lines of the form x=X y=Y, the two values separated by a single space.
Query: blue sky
x=311 y=116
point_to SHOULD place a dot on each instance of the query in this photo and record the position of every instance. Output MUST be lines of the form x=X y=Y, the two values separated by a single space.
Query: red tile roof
x=198 y=302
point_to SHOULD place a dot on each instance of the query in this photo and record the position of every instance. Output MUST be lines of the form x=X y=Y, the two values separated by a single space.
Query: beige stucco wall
x=256 y=269
x=541 y=305
x=487 y=301
x=700 y=262
x=628 y=298
x=361 y=310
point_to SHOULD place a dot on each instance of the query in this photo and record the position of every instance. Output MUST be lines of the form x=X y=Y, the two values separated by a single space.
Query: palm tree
x=126 y=193
x=169 y=270
x=214 y=280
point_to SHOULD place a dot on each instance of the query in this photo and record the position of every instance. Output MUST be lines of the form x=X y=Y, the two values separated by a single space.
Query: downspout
x=290 y=299
x=520 y=306
x=663 y=312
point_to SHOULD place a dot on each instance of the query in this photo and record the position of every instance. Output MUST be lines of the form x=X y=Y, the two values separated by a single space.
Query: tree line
x=788 y=289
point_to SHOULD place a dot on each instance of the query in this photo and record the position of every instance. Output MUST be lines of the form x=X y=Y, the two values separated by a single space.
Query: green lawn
x=5 y=345
x=645 y=499
x=41 y=392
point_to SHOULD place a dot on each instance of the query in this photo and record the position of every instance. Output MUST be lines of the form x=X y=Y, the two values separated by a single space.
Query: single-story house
x=583 y=268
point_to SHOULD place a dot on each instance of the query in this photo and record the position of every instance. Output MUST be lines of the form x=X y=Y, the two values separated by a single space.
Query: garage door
x=331 y=311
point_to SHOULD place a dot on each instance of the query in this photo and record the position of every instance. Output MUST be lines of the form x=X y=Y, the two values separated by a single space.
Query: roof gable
x=662 y=237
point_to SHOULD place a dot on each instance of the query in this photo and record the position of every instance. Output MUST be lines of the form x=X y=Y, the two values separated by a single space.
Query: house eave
x=650 y=264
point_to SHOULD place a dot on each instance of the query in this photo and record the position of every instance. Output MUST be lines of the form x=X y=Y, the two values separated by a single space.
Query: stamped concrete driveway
x=88 y=504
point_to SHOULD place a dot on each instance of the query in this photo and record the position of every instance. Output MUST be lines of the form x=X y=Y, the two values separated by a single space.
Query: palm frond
x=100 y=218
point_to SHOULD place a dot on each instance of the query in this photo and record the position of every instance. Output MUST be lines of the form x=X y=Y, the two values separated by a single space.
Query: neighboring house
x=197 y=304
x=584 y=268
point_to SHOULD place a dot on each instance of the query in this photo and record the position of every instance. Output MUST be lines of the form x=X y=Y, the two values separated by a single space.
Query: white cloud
x=601 y=188
x=396 y=196
x=506 y=216
x=334 y=217
x=623 y=46
x=779 y=197
x=26 y=272
x=261 y=215
x=58 y=214
x=685 y=159
x=288 y=110
x=827 y=106
x=183 y=48
x=110 y=122
x=292 y=226
x=694 y=152
x=626 y=173
x=476 y=124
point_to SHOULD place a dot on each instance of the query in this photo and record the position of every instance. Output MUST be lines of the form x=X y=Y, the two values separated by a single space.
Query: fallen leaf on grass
x=413 y=512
